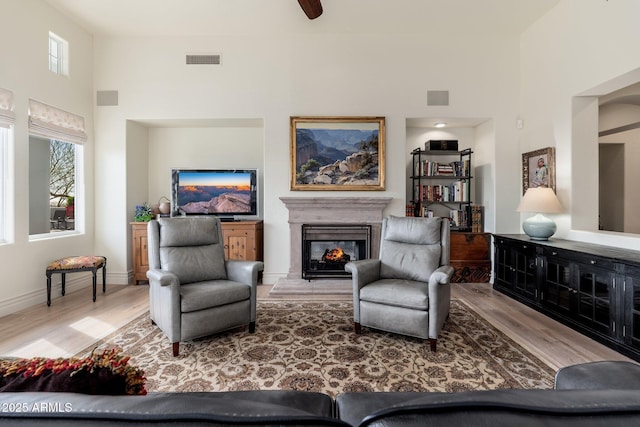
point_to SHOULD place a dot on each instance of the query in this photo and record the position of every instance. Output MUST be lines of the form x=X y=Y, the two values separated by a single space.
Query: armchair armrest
x=442 y=275
x=439 y=298
x=164 y=302
x=363 y=271
x=244 y=271
x=161 y=277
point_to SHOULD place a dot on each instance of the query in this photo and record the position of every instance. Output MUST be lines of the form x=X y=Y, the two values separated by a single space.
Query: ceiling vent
x=203 y=59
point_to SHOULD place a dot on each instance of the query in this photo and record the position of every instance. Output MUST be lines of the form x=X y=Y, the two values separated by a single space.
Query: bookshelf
x=441 y=186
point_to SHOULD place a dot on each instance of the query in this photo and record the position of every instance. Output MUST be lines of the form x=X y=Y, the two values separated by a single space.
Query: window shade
x=53 y=123
x=7 y=117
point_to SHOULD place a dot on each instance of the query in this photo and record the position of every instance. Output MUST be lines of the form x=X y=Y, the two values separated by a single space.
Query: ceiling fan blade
x=312 y=8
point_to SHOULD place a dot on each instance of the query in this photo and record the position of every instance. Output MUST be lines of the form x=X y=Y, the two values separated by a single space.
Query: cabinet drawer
x=580 y=258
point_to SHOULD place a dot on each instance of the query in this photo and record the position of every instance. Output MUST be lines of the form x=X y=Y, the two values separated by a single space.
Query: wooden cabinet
x=243 y=240
x=594 y=289
x=471 y=257
x=516 y=269
x=140 y=251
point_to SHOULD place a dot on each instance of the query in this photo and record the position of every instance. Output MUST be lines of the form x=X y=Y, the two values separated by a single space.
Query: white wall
x=218 y=147
x=275 y=76
x=304 y=69
x=24 y=70
x=580 y=50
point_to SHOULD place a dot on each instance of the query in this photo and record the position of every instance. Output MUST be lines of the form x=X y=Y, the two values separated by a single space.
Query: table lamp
x=539 y=200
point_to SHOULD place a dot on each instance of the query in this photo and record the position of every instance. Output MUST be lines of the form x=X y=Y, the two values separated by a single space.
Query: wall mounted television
x=226 y=193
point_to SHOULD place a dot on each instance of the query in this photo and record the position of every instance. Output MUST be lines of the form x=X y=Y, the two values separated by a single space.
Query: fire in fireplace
x=326 y=248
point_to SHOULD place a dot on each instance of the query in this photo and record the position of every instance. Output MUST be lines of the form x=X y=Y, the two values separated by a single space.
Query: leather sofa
x=609 y=396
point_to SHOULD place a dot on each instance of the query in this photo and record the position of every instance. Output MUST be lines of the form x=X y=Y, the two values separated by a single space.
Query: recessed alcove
x=155 y=146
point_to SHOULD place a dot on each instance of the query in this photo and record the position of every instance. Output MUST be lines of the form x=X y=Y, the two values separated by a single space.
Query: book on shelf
x=431 y=168
x=410 y=210
x=477 y=220
x=453 y=192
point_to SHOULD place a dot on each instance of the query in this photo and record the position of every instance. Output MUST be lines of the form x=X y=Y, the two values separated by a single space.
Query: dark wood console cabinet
x=593 y=289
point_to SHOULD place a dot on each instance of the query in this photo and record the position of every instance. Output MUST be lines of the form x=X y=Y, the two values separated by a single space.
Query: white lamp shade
x=540 y=200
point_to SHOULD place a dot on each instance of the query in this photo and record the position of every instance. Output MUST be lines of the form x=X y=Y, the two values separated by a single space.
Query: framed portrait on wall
x=539 y=169
x=337 y=153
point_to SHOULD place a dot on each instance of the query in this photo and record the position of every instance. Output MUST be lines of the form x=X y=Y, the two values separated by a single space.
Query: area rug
x=311 y=346
x=283 y=287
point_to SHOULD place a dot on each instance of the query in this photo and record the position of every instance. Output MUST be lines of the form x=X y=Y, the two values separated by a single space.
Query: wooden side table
x=140 y=251
x=243 y=240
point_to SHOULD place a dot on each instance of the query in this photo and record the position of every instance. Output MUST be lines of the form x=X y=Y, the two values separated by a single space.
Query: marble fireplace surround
x=331 y=210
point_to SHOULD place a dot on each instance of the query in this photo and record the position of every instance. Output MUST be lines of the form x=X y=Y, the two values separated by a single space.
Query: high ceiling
x=246 y=17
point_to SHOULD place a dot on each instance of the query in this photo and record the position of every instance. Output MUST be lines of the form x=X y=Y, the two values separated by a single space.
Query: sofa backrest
x=522 y=408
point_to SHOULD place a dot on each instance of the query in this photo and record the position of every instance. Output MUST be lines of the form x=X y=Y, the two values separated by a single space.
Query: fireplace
x=353 y=211
x=326 y=248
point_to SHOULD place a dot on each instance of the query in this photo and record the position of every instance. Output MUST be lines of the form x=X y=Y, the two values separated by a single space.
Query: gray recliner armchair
x=193 y=291
x=407 y=290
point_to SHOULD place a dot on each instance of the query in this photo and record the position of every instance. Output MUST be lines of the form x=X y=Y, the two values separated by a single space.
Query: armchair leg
x=357 y=327
x=176 y=349
x=252 y=327
x=432 y=344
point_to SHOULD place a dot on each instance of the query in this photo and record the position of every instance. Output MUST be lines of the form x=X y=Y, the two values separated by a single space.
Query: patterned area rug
x=311 y=346
x=313 y=287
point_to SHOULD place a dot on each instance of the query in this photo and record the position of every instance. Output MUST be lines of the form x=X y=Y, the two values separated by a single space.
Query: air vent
x=203 y=59
x=106 y=97
x=437 y=97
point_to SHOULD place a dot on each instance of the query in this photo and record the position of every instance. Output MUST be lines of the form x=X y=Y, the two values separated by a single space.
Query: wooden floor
x=74 y=322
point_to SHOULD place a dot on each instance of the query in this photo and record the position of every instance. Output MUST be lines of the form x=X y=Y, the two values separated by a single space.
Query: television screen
x=222 y=192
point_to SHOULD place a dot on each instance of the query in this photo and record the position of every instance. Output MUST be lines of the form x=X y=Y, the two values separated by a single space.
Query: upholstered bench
x=76 y=264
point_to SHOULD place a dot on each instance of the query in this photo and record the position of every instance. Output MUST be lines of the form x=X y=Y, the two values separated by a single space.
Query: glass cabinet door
x=558 y=291
x=595 y=299
x=503 y=265
x=631 y=331
x=525 y=271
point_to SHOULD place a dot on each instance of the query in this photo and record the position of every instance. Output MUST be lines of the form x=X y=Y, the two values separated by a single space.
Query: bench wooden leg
x=48 y=289
x=64 y=276
x=104 y=278
x=94 y=285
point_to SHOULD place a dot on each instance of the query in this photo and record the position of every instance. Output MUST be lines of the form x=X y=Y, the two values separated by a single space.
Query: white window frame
x=58 y=55
x=49 y=123
x=7 y=119
x=5 y=136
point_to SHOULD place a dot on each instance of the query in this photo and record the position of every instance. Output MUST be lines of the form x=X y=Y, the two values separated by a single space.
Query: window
x=7 y=119
x=56 y=140
x=52 y=185
x=58 y=55
x=4 y=144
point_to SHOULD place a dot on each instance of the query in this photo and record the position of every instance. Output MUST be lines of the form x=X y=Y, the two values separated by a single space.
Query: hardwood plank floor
x=73 y=323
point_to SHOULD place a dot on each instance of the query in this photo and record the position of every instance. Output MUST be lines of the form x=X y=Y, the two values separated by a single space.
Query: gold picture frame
x=539 y=169
x=337 y=153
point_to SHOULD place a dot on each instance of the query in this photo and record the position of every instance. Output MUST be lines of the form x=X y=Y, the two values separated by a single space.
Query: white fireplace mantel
x=331 y=210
